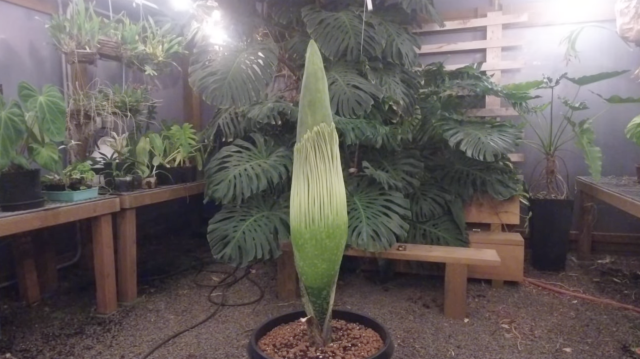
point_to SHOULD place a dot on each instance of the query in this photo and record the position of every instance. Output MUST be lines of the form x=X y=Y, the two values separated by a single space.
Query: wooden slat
x=191 y=100
x=473 y=23
x=486 y=66
x=468 y=45
x=494 y=55
x=493 y=112
x=502 y=238
x=51 y=216
x=127 y=258
x=105 y=268
x=516 y=157
x=161 y=194
x=437 y=254
x=490 y=210
x=45 y=6
x=455 y=291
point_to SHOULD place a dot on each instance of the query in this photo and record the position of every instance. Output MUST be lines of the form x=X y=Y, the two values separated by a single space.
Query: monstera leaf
x=395 y=172
x=243 y=169
x=398 y=85
x=234 y=76
x=584 y=140
x=429 y=201
x=46 y=111
x=242 y=234
x=400 y=45
x=341 y=34
x=357 y=130
x=633 y=130
x=12 y=131
x=482 y=140
x=377 y=217
x=351 y=94
x=423 y=7
x=441 y=231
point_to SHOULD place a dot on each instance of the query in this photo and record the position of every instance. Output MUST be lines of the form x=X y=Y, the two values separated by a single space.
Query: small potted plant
x=632 y=131
x=75 y=184
x=319 y=230
x=551 y=206
x=182 y=148
x=144 y=167
x=76 y=32
x=116 y=161
x=29 y=132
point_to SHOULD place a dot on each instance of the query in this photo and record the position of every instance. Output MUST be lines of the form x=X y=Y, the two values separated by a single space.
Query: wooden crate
x=510 y=248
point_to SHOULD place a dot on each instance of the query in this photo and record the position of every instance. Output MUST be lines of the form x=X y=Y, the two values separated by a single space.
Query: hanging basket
x=109 y=49
x=81 y=57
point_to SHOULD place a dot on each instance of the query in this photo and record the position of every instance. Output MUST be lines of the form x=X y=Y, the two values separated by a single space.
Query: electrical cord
x=227 y=282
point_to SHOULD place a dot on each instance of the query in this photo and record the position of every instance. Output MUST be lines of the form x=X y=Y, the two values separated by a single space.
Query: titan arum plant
x=318 y=214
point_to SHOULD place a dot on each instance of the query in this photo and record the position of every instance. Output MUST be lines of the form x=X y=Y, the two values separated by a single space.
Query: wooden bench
x=457 y=261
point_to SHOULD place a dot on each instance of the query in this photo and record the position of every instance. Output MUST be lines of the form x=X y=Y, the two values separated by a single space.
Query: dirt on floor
x=518 y=321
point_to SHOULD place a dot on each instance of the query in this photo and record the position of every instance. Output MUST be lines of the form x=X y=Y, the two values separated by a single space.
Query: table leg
x=26 y=272
x=585 y=208
x=455 y=291
x=127 y=266
x=46 y=263
x=104 y=264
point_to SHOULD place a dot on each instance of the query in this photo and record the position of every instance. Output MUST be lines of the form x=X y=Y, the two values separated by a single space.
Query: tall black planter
x=20 y=191
x=385 y=353
x=550 y=225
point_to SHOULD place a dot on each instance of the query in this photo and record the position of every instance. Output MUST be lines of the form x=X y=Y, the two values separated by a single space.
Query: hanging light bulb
x=213 y=29
x=182 y=5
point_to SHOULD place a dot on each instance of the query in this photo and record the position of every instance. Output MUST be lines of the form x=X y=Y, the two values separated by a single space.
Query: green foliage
x=351 y=94
x=30 y=128
x=78 y=29
x=633 y=130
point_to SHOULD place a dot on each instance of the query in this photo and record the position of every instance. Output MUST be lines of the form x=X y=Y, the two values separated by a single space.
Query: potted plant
x=551 y=206
x=73 y=185
x=177 y=153
x=29 y=130
x=76 y=32
x=319 y=231
x=144 y=167
x=116 y=161
x=632 y=131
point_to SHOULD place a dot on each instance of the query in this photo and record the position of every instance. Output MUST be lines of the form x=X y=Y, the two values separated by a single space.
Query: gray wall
x=599 y=51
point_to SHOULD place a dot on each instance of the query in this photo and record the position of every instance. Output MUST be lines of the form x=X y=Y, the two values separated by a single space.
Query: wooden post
x=26 y=269
x=105 y=271
x=127 y=260
x=494 y=56
x=46 y=263
x=455 y=291
x=191 y=100
x=287 y=277
x=585 y=208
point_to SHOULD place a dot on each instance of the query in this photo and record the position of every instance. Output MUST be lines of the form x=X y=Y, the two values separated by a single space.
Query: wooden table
x=620 y=192
x=28 y=267
x=126 y=231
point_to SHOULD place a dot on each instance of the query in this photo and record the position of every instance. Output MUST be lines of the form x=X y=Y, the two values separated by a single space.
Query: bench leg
x=455 y=291
x=497 y=284
x=104 y=264
x=287 y=277
x=585 y=204
x=126 y=252
x=46 y=263
x=26 y=272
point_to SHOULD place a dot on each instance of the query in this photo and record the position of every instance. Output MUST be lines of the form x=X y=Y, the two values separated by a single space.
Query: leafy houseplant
x=29 y=130
x=76 y=32
x=177 y=153
x=411 y=154
x=550 y=204
x=74 y=184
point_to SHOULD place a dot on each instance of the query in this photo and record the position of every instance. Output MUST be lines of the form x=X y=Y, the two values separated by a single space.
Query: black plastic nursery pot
x=20 y=191
x=107 y=173
x=136 y=182
x=168 y=176
x=550 y=225
x=385 y=353
x=124 y=184
x=189 y=174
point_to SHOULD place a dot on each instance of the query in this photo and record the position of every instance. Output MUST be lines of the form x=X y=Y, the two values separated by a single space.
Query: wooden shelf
x=469 y=45
x=160 y=194
x=474 y=23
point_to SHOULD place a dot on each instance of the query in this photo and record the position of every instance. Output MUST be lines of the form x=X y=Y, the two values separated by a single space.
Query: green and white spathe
x=318 y=200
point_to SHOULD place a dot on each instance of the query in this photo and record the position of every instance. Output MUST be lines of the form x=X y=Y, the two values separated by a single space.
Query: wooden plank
x=490 y=210
x=474 y=23
x=46 y=263
x=160 y=194
x=23 y=255
x=516 y=157
x=105 y=269
x=51 y=216
x=126 y=256
x=494 y=55
x=492 y=112
x=502 y=238
x=436 y=254
x=510 y=249
x=585 y=207
x=626 y=204
x=486 y=66
x=469 y=45
x=48 y=7
x=455 y=291
x=287 y=278
x=191 y=100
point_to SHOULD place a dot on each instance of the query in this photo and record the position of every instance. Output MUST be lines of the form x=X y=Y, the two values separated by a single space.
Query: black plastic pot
x=136 y=182
x=107 y=173
x=20 y=191
x=385 y=353
x=189 y=174
x=168 y=176
x=124 y=184
x=55 y=187
x=550 y=225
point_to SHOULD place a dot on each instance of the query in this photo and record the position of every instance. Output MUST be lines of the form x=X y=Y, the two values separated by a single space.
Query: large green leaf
x=12 y=131
x=422 y=7
x=584 y=140
x=272 y=111
x=243 y=169
x=234 y=76
x=351 y=94
x=230 y=122
x=632 y=131
x=573 y=106
x=441 y=231
x=400 y=45
x=399 y=87
x=616 y=99
x=241 y=234
x=590 y=79
x=429 y=201
x=340 y=35
x=46 y=156
x=524 y=86
x=48 y=108
x=377 y=217
x=482 y=140
x=352 y=131
x=397 y=171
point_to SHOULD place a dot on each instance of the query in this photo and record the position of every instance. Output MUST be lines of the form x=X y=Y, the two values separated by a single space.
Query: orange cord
x=582 y=296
